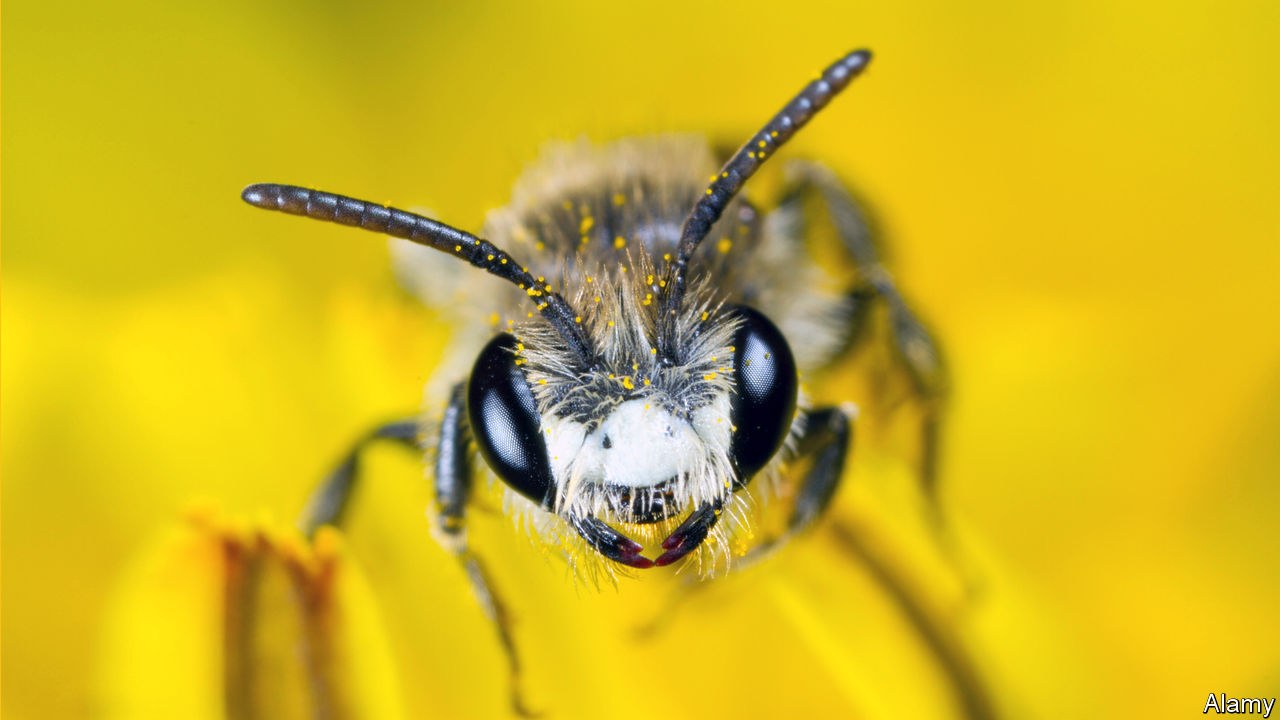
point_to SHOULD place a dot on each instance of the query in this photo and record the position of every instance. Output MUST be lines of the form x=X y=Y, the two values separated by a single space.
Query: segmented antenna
x=483 y=254
x=742 y=166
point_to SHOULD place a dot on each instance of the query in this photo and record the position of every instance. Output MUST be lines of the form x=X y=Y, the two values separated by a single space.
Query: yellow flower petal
x=231 y=619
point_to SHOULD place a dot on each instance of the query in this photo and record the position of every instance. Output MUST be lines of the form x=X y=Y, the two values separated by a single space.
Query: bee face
x=642 y=388
x=628 y=443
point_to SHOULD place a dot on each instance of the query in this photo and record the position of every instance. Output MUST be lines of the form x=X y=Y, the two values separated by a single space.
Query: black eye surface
x=765 y=403
x=505 y=422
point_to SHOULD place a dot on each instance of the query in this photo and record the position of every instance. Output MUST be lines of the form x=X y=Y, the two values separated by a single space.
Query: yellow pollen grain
x=761 y=143
x=773 y=134
x=724 y=246
x=457 y=248
x=549 y=287
x=541 y=279
x=705 y=314
x=646 y=382
x=662 y=283
x=666 y=256
x=597 y=298
x=610 y=323
x=542 y=306
x=519 y=347
x=751 y=155
x=724 y=174
x=619 y=199
x=635 y=366
x=733 y=349
x=489 y=257
x=542 y=381
x=577 y=319
x=708 y=191
x=709 y=376
x=528 y=315
x=611 y=376
x=586 y=224
x=619 y=242
x=626 y=382
x=539 y=246
x=494 y=319
x=622 y=268
x=653 y=351
x=503 y=261
x=713 y=358
x=648 y=280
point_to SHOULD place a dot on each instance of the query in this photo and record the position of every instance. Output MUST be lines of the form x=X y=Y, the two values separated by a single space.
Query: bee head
x=625 y=422
x=634 y=440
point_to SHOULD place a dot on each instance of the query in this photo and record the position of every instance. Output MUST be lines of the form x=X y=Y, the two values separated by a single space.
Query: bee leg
x=827 y=438
x=911 y=341
x=453 y=476
x=328 y=503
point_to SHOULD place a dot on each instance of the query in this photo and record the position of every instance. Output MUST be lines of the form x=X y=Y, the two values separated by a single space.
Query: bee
x=642 y=388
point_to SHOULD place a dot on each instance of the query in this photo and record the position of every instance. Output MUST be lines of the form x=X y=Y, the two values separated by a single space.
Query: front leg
x=453 y=485
x=328 y=504
x=828 y=436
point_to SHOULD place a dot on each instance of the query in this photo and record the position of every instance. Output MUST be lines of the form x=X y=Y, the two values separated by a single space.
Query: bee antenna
x=742 y=166
x=481 y=253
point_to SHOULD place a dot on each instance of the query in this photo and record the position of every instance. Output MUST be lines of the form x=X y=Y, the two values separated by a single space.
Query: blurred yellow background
x=1081 y=197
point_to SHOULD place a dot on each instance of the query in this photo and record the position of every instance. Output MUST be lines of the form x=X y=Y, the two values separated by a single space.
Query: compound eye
x=765 y=404
x=505 y=422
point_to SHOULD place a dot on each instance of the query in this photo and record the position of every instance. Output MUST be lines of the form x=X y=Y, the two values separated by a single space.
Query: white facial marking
x=564 y=439
x=712 y=423
x=638 y=445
